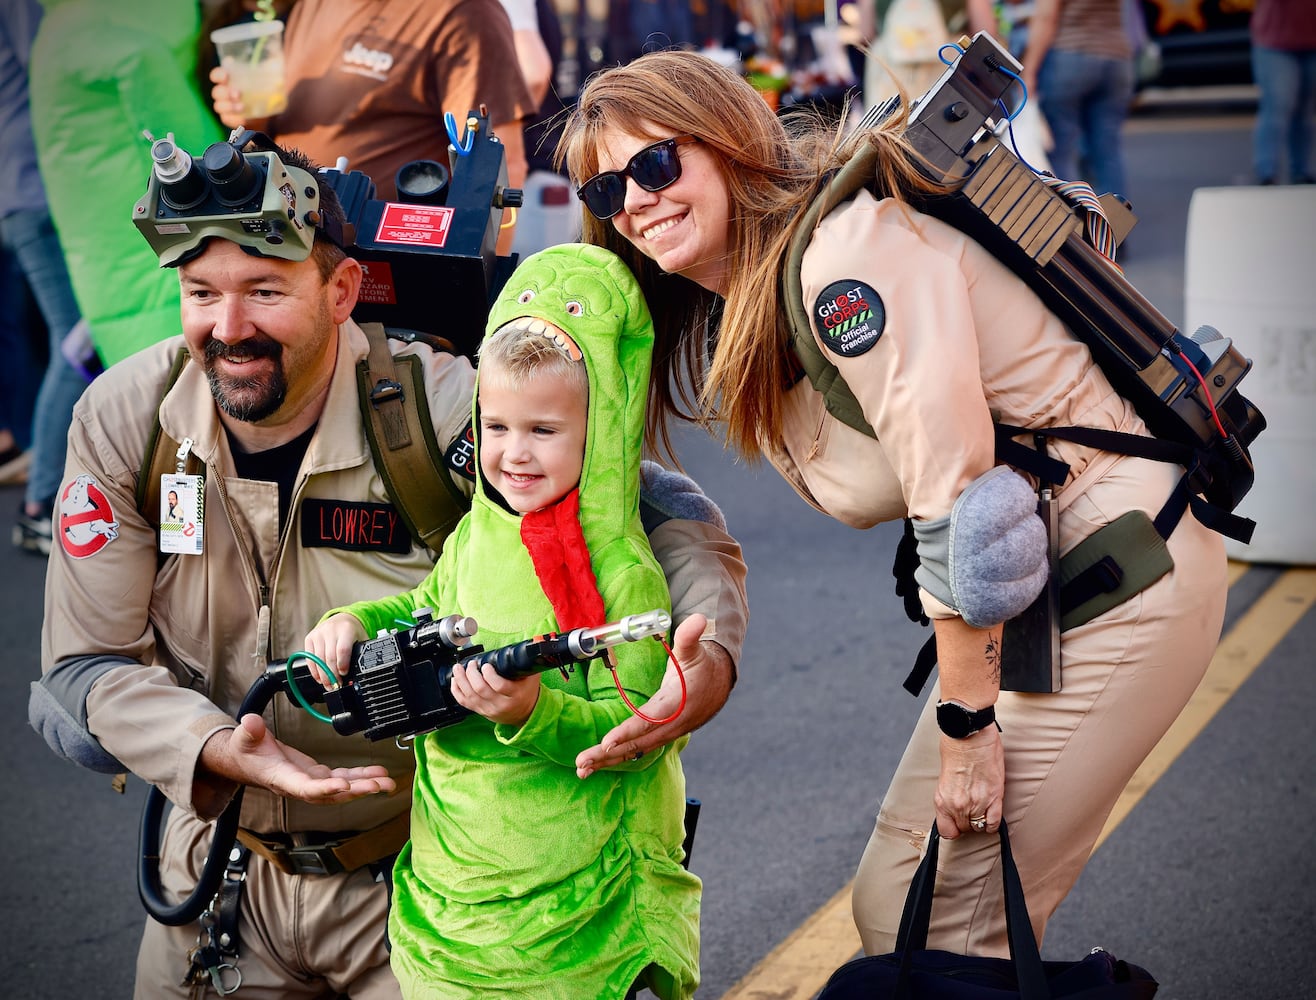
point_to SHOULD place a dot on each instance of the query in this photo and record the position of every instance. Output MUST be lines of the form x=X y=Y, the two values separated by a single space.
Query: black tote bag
x=913 y=972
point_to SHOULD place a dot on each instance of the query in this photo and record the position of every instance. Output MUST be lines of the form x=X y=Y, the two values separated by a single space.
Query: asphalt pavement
x=1208 y=881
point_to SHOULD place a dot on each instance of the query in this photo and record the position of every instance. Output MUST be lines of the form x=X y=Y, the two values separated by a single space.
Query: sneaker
x=14 y=463
x=33 y=534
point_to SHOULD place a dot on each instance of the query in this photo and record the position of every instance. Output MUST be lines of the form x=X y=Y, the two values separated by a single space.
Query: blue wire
x=463 y=147
x=1019 y=80
x=948 y=45
x=1009 y=118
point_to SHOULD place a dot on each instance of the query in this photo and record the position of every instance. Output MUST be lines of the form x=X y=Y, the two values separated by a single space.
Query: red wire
x=1210 y=403
x=635 y=711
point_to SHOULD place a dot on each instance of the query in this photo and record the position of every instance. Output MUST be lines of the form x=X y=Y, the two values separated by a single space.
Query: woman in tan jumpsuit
x=937 y=340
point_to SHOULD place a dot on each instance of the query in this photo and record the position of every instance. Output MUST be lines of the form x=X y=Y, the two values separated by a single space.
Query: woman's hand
x=486 y=692
x=972 y=784
x=972 y=781
x=708 y=675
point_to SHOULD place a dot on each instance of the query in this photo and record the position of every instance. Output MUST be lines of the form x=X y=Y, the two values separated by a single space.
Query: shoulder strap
x=395 y=413
x=855 y=173
x=161 y=458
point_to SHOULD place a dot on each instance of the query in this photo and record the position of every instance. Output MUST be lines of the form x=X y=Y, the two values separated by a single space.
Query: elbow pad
x=66 y=734
x=667 y=495
x=987 y=558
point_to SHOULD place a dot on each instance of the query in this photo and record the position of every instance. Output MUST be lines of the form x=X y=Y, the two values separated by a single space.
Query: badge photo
x=182 y=500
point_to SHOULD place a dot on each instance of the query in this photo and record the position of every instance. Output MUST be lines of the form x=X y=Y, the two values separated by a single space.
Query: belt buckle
x=318 y=859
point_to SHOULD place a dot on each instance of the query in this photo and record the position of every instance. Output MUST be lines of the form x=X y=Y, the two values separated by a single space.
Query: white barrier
x=1250 y=271
x=550 y=214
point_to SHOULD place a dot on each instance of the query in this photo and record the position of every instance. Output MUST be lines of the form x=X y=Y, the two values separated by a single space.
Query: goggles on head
x=251 y=198
x=655 y=167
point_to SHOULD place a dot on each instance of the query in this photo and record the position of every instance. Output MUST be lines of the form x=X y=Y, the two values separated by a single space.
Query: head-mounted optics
x=246 y=195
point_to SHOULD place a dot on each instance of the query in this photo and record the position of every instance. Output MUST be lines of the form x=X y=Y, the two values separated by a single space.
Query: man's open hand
x=250 y=755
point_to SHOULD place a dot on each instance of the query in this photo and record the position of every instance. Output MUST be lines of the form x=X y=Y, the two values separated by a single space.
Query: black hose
x=149 y=888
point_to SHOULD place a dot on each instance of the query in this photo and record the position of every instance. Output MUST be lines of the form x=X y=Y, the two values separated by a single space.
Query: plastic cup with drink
x=251 y=52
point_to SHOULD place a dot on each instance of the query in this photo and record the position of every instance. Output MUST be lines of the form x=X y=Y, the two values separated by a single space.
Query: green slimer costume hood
x=587 y=296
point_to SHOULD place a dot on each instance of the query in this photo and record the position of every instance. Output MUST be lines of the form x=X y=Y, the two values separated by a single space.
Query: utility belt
x=329 y=853
x=1115 y=562
x=213 y=961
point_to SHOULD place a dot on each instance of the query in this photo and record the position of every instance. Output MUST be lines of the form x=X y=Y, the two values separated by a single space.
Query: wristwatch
x=959 y=721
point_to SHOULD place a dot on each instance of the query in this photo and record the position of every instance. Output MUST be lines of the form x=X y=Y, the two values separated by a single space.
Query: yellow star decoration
x=1174 y=12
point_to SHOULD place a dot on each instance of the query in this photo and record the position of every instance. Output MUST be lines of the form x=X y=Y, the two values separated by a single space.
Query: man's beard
x=249 y=399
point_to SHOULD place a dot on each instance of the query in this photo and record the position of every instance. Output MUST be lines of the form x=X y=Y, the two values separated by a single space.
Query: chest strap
x=395 y=412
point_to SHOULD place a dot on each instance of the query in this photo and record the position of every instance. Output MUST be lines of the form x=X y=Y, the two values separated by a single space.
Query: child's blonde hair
x=518 y=355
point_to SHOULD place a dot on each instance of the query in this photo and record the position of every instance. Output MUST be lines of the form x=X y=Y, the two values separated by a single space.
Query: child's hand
x=332 y=641
x=487 y=692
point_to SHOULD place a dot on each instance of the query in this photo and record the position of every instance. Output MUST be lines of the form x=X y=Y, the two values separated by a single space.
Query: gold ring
x=979 y=823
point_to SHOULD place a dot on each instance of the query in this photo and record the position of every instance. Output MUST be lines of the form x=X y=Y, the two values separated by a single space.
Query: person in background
x=904 y=38
x=372 y=82
x=32 y=247
x=1078 y=64
x=1284 y=67
x=101 y=75
x=532 y=54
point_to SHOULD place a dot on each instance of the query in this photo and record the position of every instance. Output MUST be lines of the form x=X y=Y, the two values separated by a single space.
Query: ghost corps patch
x=460 y=456
x=849 y=316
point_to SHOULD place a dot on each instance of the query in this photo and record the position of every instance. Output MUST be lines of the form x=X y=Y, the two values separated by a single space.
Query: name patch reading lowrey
x=356 y=527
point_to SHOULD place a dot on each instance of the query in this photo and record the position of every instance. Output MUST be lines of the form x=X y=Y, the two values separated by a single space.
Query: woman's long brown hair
x=727 y=365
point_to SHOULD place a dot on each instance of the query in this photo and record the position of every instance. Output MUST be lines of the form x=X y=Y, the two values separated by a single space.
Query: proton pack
x=399 y=686
x=400 y=683
x=431 y=273
x=1185 y=389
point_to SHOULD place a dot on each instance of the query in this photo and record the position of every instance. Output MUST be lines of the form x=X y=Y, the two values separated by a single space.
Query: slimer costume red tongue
x=557 y=549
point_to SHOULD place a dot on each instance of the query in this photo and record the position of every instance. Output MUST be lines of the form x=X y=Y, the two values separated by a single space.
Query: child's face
x=532 y=438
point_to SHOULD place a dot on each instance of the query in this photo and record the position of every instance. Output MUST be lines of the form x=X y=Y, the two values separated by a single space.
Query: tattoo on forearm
x=993 y=655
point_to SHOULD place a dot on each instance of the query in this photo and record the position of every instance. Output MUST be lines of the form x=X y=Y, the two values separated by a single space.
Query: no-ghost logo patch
x=850 y=316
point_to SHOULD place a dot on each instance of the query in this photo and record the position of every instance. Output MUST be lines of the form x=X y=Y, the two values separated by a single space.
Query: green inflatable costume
x=521 y=880
x=101 y=74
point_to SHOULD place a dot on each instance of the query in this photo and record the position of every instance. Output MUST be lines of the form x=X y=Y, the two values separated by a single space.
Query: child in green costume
x=521 y=879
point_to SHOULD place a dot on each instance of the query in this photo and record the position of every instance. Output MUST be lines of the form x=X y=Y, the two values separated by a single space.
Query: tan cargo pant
x=1126 y=676
x=302 y=935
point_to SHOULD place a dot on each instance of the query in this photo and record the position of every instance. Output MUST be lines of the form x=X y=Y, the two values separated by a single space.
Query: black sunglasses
x=654 y=167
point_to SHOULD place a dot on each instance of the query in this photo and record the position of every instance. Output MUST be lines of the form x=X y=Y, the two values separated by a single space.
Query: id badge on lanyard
x=182 y=508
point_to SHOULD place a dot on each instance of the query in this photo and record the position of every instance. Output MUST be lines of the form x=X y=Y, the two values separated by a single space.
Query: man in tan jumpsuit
x=146 y=656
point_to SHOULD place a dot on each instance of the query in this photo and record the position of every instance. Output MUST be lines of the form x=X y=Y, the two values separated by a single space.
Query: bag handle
x=913 y=933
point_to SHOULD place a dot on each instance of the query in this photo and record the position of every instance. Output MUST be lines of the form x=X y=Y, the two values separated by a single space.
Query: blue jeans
x=1285 y=111
x=20 y=329
x=29 y=237
x=1085 y=100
